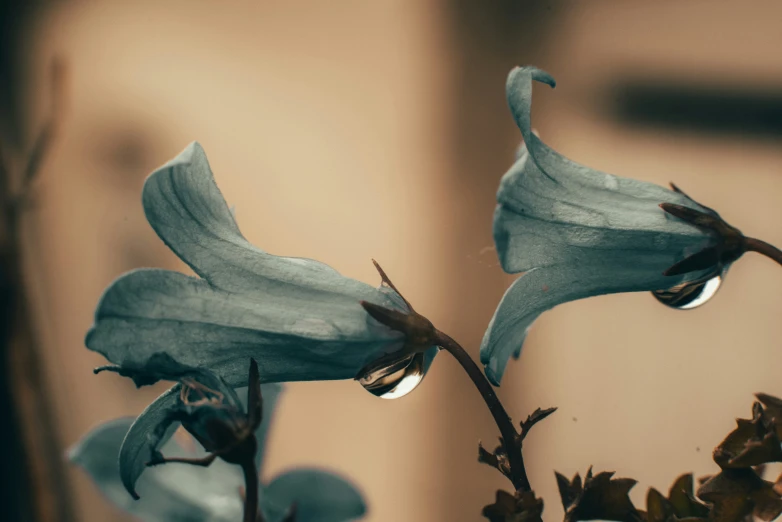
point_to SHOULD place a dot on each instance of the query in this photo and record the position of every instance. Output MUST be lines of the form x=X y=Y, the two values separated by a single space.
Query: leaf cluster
x=737 y=493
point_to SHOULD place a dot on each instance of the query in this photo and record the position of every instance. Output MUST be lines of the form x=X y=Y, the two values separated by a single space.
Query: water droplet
x=687 y=296
x=396 y=379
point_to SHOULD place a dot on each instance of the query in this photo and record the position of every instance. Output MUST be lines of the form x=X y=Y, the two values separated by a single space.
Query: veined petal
x=144 y=434
x=525 y=242
x=577 y=232
x=300 y=319
x=151 y=430
x=186 y=209
x=171 y=492
x=319 y=496
x=595 y=210
x=542 y=289
x=559 y=168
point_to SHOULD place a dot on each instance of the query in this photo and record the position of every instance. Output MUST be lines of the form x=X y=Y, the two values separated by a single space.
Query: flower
x=200 y=494
x=577 y=232
x=299 y=318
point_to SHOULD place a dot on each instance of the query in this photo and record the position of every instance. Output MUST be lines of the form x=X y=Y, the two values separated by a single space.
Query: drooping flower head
x=114 y=452
x=299 y=318
x=577 y=232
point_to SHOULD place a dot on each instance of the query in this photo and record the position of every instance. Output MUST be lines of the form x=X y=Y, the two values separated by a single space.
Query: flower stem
x=251 y=513
x=510 y=437
x=761 y=247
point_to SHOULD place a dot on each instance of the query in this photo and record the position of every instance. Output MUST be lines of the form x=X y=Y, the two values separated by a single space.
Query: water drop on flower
x=397 y=379
x=687 y=296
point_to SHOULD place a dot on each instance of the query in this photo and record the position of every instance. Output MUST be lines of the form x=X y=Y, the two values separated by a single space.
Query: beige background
x=346 y=131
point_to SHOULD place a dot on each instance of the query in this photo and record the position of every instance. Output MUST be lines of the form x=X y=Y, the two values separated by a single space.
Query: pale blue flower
x=577 y=232
x=183 y=493
x=298 y=318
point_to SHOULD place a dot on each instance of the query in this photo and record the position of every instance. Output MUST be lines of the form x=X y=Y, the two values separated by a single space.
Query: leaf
x=690 y=215
x=601 y=498
x=772 y=411
x=168 y=493
x=753 y=442
x=319 y=496
x=682 y=498
x=569 y=491
x=534 y=418
x=497 y=460
x=737 y=493
x=658 y=508
x=522 y=507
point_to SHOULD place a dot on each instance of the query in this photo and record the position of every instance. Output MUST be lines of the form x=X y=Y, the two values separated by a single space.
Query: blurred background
x=347 y=130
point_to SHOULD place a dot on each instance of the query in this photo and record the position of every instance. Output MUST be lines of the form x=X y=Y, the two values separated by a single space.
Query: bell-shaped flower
x=299 y=318
x=114 y=453
x=576 y=232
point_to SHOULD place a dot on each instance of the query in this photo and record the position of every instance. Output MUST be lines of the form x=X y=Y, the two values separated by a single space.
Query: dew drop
x=687 y=296
x=396 y=379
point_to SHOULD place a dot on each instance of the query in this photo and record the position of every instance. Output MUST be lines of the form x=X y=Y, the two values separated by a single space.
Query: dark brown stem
x=761 y=247
x=251 y=513
x=510 y=437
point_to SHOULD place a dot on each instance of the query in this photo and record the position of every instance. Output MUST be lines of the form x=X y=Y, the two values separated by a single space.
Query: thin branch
x=251 y=512
x=761 y=247
x=510 y=438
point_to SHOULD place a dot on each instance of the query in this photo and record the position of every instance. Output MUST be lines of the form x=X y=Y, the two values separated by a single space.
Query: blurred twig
x=25 y=376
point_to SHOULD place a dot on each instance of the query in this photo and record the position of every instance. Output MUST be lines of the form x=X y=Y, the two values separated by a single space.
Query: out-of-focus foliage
x=736 y=494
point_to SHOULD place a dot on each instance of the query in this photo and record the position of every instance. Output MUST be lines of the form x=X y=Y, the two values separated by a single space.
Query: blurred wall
x=379 y=130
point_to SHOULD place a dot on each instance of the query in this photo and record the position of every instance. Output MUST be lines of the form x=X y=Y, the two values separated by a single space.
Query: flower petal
x=583 y=263
x=319 y=496
x=184 y=206
x=144 y=434
x=542 y=289
x=299 y=318
x=186 y=209
x=577 y=232
x=153 y=428
x=298 y=334
x=170 y=492
x=583 y=208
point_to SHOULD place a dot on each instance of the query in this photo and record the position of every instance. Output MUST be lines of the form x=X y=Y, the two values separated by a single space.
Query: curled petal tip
x=190 y=154
x=494 y=379
x=539 y=75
